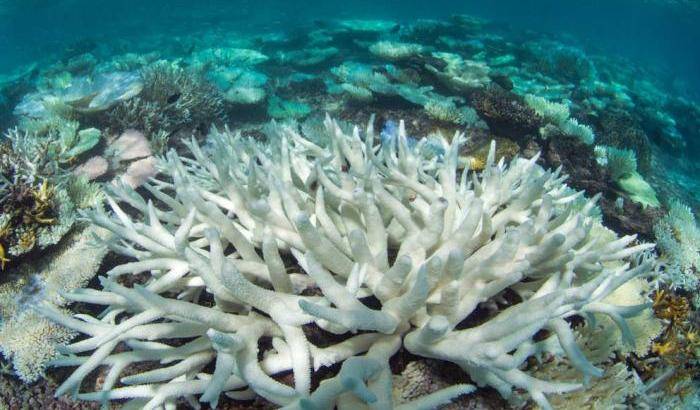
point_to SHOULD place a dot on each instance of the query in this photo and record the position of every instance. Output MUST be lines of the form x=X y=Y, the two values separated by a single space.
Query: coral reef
x=38 y=198
x=678 y=240
x=678 y=348
x=394 y=51
x=505 y=114
x=314 y=264
x=172 y=98
x=28 y=339
x=622 y=166
x=350 y=236
x=280 y=109
x=557 y=117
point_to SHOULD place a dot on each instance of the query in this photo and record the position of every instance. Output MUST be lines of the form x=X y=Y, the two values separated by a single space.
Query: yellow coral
x=693 y=337
x=664 y=349
x=670 y=307
x=27 y=239
x=474 y=163
x=43 y=204
x=505 y=148
x=3 y=259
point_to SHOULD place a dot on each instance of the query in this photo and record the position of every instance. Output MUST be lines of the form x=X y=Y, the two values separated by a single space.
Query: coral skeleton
x=384 y=244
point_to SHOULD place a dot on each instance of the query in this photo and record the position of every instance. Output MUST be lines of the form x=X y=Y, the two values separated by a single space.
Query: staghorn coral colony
x=351 y=214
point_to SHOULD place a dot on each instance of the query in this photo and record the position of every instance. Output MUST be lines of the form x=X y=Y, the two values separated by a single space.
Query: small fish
x=173 y=98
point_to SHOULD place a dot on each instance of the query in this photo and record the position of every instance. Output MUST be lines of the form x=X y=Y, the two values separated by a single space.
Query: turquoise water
x=171 y=170
x=657 y=34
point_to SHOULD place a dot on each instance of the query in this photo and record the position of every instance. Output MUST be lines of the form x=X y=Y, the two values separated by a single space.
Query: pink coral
x=140 y=171
x=132 y=144
x=93 y=168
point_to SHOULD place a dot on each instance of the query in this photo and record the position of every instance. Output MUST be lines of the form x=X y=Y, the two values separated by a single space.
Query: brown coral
x=24 y=209
x=505 y=113
x=679 y=344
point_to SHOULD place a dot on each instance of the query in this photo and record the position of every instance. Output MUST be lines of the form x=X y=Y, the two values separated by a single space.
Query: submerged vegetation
x=514 y=222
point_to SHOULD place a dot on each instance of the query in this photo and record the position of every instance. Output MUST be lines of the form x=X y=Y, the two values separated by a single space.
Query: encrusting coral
x=386 y=245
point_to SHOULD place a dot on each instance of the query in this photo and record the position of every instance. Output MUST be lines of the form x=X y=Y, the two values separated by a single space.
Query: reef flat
x=348 y=214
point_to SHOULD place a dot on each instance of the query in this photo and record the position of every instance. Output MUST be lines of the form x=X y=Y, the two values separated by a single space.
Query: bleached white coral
x=678 y=239
x=558 y=115
x=396 y=243
x=555 y=113
x=460 y=75
x=395 y=50
x=445 y=110
x=28 y=339
x=581 y=131
x=611 y=391
x=619 y=161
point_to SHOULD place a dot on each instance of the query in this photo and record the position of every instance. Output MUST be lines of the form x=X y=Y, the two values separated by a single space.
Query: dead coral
x=505 y=113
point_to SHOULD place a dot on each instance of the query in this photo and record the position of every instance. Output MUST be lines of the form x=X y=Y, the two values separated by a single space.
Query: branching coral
x=619 y=162
x=38 y=197
x=622 y=166
x=361 y=82
x=678 y=239
x=460 y=75
x=557 y=117
x=555 y=113
x=445 y=110
x=172 y=98
x=248 y=240
x=27 y=339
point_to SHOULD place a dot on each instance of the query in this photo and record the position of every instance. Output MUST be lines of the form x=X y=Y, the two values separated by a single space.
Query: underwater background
x=659 y=34
x=98 y=97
